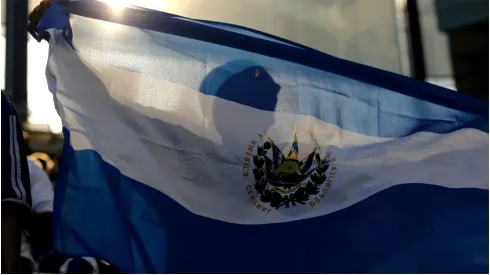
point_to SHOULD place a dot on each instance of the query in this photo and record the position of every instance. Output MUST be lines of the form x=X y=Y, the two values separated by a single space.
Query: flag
x=202 y=147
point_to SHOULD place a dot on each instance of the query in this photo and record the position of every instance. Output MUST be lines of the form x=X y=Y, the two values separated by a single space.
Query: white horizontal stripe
x=192 y=147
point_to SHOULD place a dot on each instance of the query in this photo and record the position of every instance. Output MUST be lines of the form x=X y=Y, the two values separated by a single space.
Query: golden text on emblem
x=247 y=158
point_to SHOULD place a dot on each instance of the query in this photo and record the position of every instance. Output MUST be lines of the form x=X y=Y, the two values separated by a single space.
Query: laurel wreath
x=302 y=194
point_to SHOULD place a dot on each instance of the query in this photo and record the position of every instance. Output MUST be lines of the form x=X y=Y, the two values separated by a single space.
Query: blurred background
x=444 y=42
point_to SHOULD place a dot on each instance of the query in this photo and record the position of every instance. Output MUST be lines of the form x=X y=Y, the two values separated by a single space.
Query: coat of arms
x=284 y=181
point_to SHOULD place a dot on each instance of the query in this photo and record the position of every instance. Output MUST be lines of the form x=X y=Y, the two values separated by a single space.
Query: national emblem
x=284 y=181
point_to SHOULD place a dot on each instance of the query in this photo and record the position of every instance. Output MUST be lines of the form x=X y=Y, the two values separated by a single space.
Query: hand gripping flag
x=202 y=147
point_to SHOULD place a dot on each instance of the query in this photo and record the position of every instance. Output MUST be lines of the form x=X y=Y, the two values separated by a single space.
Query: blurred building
x=465 y=22
x=440 y=39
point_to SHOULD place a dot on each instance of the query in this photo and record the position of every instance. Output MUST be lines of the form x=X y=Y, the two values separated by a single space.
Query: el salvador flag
x=201 y=147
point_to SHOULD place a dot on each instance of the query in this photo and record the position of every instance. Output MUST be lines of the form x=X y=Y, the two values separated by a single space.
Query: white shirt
x=41 y=189
x=42 y=195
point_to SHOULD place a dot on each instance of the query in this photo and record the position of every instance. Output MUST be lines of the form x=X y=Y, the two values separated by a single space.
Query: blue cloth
x=199 y=147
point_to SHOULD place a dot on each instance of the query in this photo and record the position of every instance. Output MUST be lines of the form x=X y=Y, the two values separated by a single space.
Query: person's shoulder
x=5 y=99
x=7 y=106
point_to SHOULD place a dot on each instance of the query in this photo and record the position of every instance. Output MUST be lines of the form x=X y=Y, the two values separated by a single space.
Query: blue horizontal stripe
x=411 y=228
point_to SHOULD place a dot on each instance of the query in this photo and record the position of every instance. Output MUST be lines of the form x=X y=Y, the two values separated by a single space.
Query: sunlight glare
x=118 y=5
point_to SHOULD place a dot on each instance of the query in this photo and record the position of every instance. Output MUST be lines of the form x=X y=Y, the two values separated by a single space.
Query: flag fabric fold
x=195 y=146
